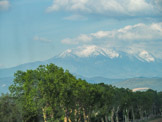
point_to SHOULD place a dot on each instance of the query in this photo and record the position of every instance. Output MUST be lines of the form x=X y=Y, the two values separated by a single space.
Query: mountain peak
x=93 y=51
x=88 y=51
x=144 y=55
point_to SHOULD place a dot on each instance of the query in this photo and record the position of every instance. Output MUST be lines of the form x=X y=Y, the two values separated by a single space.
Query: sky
x=36 y=30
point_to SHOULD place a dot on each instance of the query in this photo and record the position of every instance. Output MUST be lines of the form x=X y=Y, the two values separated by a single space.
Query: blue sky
x=35 y=30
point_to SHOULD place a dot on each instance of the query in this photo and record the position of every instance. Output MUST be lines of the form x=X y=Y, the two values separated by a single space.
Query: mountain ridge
x=92 y=50
x=91 y=61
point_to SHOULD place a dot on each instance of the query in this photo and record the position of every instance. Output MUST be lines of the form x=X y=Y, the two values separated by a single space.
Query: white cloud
x=4 y=5
x=133 y=32
x=102 y=34
x=109 y=7
x=68 y=41
x=128 y=33
x=75 y=17
x=140 y=39
x=42 y=39
x=68 y=5
x=83 y=38
x=139 y=5
x=140 y=32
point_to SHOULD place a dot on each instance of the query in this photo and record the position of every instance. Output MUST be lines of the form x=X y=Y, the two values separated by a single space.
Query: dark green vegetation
x=51 y=94
x=141 y=82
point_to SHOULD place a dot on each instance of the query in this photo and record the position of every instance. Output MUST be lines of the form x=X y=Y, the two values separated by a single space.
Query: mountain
x=9 y=72
x=99 y=79
x=139 y=83
x=147 y=83
x=97 y=64
x=91 y=61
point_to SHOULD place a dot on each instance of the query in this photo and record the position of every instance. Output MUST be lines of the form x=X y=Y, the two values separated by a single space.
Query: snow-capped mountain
x=93 y=61
x=88 y=51
x=90 y=61
x=92 y=51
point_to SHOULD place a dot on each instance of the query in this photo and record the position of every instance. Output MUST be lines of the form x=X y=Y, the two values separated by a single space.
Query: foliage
x=51 y=94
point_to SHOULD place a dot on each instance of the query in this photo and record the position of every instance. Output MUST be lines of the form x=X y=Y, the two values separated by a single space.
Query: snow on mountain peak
x=144 y=55
x=65 y=53
x=86 y=51
x=92 y=50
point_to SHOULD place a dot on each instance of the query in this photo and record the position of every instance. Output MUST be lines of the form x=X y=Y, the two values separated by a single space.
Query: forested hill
x=51 y=94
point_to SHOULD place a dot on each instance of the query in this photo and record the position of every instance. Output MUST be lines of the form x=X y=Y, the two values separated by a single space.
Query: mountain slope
x=9 y=72
x=151 y=83
x=95 y=61
x=91 y=61
x=99 y=65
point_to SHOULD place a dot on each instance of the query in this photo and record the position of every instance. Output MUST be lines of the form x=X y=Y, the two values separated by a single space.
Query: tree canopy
x=51 y=94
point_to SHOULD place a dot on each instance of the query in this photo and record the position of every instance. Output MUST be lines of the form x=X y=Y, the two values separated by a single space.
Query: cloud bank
x=109 y=7
x=144 y=40
x=136 y=32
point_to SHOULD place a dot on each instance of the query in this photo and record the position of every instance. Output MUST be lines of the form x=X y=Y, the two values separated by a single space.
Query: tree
x=51 y=94
x=10 y=110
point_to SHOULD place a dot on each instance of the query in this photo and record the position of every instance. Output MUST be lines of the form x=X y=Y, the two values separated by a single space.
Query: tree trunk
x=116 y=114
x=141 y=114
x=69 y=120
x=112 y=115
x=133 y=116
x=84 y=115
x=75 y=115
x=117 y=118
x=52 y=115
x=102 y=120
x=106 y=118
x=126 y=115
x=68 y=115
x=79 y=113
x=44 y=114
x=89 y=117
x=65 y=119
